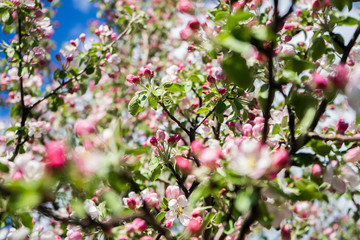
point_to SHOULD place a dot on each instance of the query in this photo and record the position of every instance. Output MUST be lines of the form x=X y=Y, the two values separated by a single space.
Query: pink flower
x=84 y=127
x=319 y=80
x=139 y=224
x=39 y=52
x=194 y=225
x=341 y=126
x=316 y=170
x=352 y=155
x=55 y=153
x=131 y=203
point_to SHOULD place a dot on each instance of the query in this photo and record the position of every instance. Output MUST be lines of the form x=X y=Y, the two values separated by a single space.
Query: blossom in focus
x=178 y=209
x=250 y=158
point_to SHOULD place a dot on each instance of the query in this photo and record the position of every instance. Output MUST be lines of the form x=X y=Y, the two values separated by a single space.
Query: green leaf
x=10 y=52
x=339 y=4
x=160 y=216
x=134 y=106
x=296 y=64
x=26 y=220
x=90 y=70
x=317 y=48
x=202 y=191
x=152 y=102
x=220 y=107
x=173 y=87
x=7 y=18
x=303 y=159
x=308 y=190
x=4 y=168
x=243 y=201
x=221 y=16
x=237 y=70
x=320 y=147
x=302 y=102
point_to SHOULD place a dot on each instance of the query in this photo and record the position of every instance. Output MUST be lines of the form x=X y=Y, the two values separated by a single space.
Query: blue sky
x=73 y=17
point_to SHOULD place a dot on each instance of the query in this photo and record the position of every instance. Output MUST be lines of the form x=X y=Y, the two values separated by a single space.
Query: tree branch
x=337 y=137
x=351 y=44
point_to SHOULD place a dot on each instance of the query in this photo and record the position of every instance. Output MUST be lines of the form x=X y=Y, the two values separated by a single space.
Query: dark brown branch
x=174 y=118
x=179 y=180
x=351 y=44
x=337 y=137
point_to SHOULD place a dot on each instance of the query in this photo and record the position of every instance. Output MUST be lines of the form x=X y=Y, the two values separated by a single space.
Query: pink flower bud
x=352 y=155
x=287 y=38
x=231 y=125
x=74 y=235
x=319 y=80
x=197 y=147
x=186 y=33
x=113 y=36
x=133 y=79
x=289 y=26
x=168 y=223
x=146 y=238
x=185 y=6
x=160 y=135
x=268 y=23
x=82 y=37
x=194 y=225
x=148 y=73
x=340 y=77
x=72 y=42
x=247 y=130
x=280 y=159
x=139 y=224
x=194 y=24
x=58 y=57
x=172 y=192
x=153 y=141
x=222 y=91
x=183 y=163
x=341 y=126
x=151 y=200
x=286 y=232
x=84 y=127
x=17 y=175
x=316 y=170
x=210 y=79
x=196 y=213
x=55 y=153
